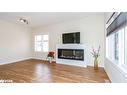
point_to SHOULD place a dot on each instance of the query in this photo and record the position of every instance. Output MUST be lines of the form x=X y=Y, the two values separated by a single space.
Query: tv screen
x=71 y=38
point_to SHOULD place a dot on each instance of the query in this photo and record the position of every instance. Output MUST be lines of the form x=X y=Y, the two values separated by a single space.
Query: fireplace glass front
x=73 y=54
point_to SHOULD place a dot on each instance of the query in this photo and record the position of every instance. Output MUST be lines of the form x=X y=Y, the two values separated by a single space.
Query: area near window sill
x=122 y=68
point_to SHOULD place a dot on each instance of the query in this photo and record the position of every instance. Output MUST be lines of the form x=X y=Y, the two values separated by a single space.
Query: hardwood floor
x=37 y=71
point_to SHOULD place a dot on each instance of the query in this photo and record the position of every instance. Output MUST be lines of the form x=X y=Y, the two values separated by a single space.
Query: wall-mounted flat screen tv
x=71 y=38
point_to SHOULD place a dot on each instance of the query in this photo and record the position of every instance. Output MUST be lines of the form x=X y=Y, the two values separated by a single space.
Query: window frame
x=42 y=41
x=121 y=47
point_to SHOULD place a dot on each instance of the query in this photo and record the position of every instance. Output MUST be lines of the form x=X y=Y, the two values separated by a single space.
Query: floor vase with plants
x=95 y=64
x=96 y=54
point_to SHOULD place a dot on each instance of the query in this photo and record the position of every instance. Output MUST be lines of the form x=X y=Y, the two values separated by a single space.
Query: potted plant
x=50 y=56
x=95 y=54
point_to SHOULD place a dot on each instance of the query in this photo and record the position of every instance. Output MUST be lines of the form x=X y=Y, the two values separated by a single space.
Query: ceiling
x=37 y=19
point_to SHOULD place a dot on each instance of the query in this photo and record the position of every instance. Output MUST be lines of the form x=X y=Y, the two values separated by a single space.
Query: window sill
x=120 y=67
x=124 y=68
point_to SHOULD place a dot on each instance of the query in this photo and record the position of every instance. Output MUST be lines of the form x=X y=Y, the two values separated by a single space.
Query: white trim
x=41 y=59
x=10 y=62
x=38 y=58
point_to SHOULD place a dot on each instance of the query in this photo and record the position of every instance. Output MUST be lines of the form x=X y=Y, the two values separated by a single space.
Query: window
x=116 y=45
x=116 y=40
x=41 y=43
x=126 y=45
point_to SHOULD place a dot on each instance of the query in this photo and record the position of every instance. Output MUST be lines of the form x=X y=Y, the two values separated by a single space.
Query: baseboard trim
x=11 y=62
x=42 y=59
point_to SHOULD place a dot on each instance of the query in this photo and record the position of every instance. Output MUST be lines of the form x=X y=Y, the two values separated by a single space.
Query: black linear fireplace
x=73 y=54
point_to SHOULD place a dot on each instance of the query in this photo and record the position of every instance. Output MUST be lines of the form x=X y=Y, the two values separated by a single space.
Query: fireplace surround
x=72 y=54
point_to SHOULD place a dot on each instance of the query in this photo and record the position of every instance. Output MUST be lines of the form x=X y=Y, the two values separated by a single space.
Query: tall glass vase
x=95 y=64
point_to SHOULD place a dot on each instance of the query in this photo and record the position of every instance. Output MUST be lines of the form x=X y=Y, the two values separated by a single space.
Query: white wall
x=15 y=42
x=91 y=29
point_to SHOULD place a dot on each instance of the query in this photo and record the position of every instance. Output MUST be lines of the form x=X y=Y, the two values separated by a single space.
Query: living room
x=27 y=37
x=61 y=47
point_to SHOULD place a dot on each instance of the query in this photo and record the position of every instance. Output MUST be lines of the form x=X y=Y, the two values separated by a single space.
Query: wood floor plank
x=37 y=71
